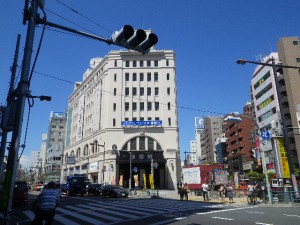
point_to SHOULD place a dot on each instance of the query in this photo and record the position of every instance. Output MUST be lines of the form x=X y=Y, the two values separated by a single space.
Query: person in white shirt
x=205 y=188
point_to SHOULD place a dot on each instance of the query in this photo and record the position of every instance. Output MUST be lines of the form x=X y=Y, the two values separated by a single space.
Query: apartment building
x=240 y=143
x=266 y=106
x=55 y=146
x=122 y=121
x=289 y=92
x=212 y=130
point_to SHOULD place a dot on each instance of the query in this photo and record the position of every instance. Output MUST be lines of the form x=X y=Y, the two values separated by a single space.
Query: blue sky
x=208 y=36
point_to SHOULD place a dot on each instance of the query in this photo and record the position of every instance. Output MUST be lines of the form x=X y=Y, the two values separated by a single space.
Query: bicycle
x=10 y=219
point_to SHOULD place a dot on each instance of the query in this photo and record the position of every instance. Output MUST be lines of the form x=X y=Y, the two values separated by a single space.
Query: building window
x=126 y=106
x=148 y=63
x=156 y=91
x=297 y=60
x=114 y=122
x=116 y=63
x=133 y=63
x=126 y=76
x=156 y=63
x=169 y=121
x=141 y=77
x=156 y=106
x=149 y=106
x=115 y=91
x=148 y=76
x=141 y=106
x=114 y=106
x=156 y=118
x=168 y=76
x=134 y=91
x=141 y=91
x=141 y=118
x=141 y=63
x=115 y=77
x=134 y=106
x=156 y=76
x=126 y=119
x=133 y=118
x=127 y=63
x=167 y=62
x=149 y=118
x=169 y=106
x=126 y=91
x=148 y=91
x=168 y=91
x=134 y=77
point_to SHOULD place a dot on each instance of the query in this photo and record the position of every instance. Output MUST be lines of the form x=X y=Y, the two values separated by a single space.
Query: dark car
x=94 y=189
x=114 y=191
x=75 y=185
x=20 y=195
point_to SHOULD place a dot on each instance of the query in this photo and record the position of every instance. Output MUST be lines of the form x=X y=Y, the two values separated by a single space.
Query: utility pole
x=19 y=101
x=9 y=101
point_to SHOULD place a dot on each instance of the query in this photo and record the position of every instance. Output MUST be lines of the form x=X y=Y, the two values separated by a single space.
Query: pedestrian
x=205 y=188
x=230 y=193
x=221 y=191
x=186 y=191
x=45 y=204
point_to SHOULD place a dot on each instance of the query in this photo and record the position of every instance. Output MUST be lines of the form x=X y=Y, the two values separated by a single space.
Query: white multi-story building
x=125 y=107
x=265 y=101
x=195 y=145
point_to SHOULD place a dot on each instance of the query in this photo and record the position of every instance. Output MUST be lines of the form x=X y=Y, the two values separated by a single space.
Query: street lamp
x=275 y=67
x=236 y=119
x=103 y=167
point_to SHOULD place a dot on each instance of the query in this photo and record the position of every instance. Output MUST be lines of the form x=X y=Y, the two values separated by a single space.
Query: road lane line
x=224 y=210
x=222 y=218
x=255 y=212
x=291 y=215
x=263 y=223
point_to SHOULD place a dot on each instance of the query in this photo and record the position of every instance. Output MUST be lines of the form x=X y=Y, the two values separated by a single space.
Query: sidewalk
x=238 y=201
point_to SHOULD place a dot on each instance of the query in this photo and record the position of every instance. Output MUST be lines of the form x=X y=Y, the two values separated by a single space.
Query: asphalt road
x=142 y=211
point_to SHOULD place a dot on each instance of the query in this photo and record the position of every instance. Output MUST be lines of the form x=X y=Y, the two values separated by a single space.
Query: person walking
x=221 y=191
x=205 y=188
x=230 y=193
x=45 y=204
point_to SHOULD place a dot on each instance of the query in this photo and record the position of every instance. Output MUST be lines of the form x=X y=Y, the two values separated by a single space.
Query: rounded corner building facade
x=122 y=121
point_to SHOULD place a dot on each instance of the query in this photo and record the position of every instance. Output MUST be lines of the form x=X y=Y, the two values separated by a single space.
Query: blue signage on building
x=142 y=123
x=265 y=135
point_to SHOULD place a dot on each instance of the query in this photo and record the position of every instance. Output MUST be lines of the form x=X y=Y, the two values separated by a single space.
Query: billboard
x=199 y=123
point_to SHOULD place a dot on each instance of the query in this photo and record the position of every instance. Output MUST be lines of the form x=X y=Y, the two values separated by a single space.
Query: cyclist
x=45 y=204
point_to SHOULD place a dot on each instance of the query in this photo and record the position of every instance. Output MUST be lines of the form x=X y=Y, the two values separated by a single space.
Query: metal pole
x=130 y=169
x=103 y=161
x=9 y=101
x=21 y=92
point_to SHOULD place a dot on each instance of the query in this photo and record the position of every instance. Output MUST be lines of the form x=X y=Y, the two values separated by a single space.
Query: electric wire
x=85 y=17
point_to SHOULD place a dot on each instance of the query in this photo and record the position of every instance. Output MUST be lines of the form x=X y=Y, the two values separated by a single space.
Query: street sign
x=265 y=135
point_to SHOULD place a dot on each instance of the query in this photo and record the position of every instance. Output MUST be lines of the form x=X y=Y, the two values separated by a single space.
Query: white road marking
x=222 y=218
x=263 y=223
x=291 y=215
x=255 y=212
x=224 y=210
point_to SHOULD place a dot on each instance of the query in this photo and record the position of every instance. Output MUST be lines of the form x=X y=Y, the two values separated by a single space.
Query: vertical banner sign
x=151 y=180
x=145 y=181
x=121 y=181
x=236 y=178
x=136 y=181
x=295 y=185
x=284 y=160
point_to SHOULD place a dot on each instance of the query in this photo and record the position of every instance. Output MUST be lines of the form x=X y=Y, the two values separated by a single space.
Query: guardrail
x=286 y=196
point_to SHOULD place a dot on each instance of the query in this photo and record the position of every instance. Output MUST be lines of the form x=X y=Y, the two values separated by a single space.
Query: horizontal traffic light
x=137 y=40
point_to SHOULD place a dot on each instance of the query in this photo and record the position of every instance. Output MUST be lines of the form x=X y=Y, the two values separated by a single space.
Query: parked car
x=94 y=189
x=76 y=185
x=114 y=191
x=63 y=188
x=20 y=195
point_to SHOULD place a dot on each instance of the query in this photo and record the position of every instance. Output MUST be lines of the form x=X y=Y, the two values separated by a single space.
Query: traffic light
x=136 y=40
x=253 y=153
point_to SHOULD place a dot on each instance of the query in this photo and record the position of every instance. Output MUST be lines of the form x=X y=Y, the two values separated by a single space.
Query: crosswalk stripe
x=137 y=208
x=101 y=215
x=127 y=215
x=79 y=216
x=59 y=218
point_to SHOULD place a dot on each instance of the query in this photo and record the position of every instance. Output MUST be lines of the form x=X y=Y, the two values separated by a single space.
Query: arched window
x=78 y=152
x=142 y=143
